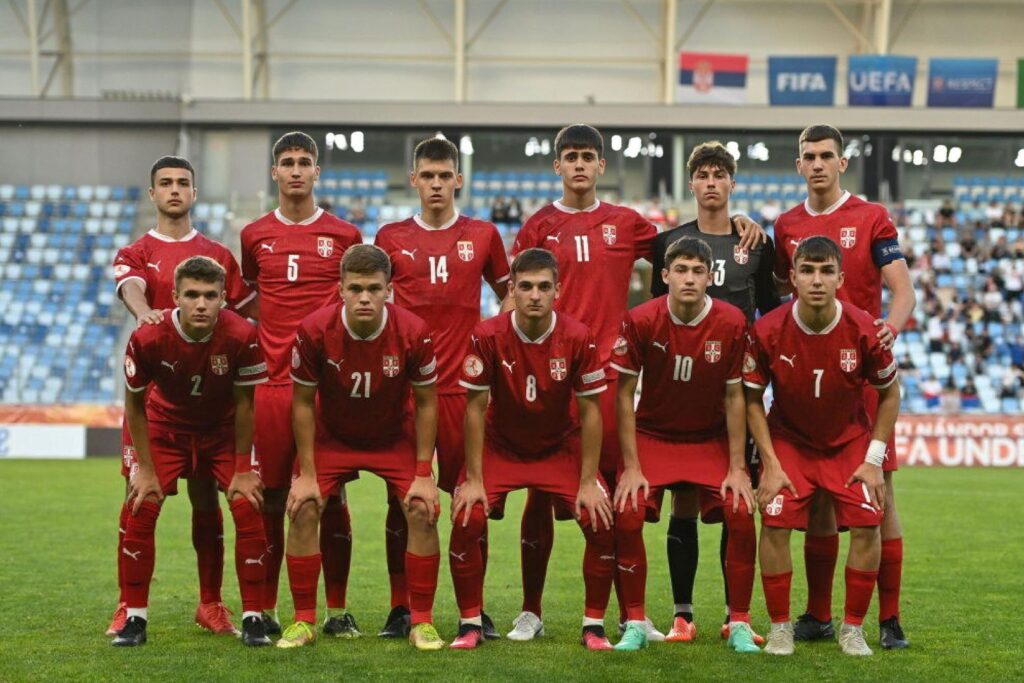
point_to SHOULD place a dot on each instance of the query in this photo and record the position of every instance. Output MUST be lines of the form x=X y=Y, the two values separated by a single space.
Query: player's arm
x=773 y=478
x=766 y=293
x=751 y=233
x=896 y=277
x=471 y=491
x=144 y=484
x=658 y=286
x=245 y=482
x=134 y=298
x=869 y=472
x=632 y=479
x=737 y=480
x=423 y=487
x=304 y=487
x=592 y=496
x=251 y=308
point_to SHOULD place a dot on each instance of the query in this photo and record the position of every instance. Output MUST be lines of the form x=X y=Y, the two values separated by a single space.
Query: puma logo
x=795 y=243
x=788 y=359
x=554 y=238
x=532 y=545
x=411 y=254
x=347 y=537
x=397 y=533
x=170 y=365
x=269 y=246
x=254 y=346
x=258 y=560
x=631 y=569
x=663 y=347
x=155 y=266
x=607 y=557
x=675 y=538
x=461 y=557
x=508 y=366
x=336 y=363
x=129 y=553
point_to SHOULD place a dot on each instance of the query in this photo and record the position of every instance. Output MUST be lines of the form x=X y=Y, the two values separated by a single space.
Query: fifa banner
x=707 y=78
x=880 y=81
x=961 y=82
x=802 y=81
x=959 y=441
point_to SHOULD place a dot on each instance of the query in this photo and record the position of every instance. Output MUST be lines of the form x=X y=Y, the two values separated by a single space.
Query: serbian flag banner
x=712 y=78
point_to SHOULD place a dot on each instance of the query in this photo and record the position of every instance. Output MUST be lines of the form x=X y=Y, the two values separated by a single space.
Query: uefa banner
x=709 y=78
x=881 y=81
x=960 y=441
x=801 y=81
x=962 y=82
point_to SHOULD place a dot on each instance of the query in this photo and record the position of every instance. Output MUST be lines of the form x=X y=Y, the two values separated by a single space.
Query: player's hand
x=143 y=485
x=630 y=483
x=738 y=481
x=154 y=317
x=304 y=489
x=468 y=494
x=887 y=334
x=751 y=233
x=873 y=481
x=249 y=486
x=773 y=481
x=594 y=499
x=425 y=490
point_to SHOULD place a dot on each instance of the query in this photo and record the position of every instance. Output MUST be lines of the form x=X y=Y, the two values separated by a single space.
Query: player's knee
x=629 y=522
x=739 y=521
x=307 y=517
x=685 y=504
x=417 y=515
x=775 y=536
x=476 y=526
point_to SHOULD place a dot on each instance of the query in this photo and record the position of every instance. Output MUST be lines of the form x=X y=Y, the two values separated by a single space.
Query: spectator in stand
x=500 y=210
x=969 y=399
x=950 y=400
x=994 y=214
x=946 y=217
x=769 y=211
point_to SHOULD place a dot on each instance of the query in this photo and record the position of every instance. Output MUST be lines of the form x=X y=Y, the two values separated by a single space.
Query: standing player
x=292 y=255
x=742 y=276
x=438 y=259
x=360 y=358
x=144 y=274
x=872 y=254
x=689 y=429
x=819 y=353
x=522 y=370
x=197 y=421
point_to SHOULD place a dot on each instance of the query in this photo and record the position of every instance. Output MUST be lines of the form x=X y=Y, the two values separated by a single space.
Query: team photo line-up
x=374 y=358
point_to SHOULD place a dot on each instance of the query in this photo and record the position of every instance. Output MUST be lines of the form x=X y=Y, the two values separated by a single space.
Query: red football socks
x=631 y=560
x=465 y=560
x=336 y=550
x=740 y=554
x=122 y=530
x=890 y=574
x=396 y=535
x=208 y=541
x=598 y=568
x=139 y=553
x=421 y=575
x=303 y=575
x=273 y=526
x=250 y=553
x=537 y=538
x=860 y=585
x=820 y=556
x=776 y=595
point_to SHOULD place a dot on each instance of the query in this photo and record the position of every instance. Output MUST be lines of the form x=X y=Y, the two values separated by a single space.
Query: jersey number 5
x=293 y=267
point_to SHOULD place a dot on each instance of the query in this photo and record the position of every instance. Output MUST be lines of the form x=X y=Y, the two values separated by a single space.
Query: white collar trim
x=164 y=238
x=374 y=335
x=539 y=340
x=697 y=320
x=312 y=219
x=828 y=328
x=426 y=226
x=175 y=315
x=839 y=202
x=568 y=209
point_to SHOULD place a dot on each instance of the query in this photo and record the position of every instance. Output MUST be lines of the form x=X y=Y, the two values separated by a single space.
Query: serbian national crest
x=749 y=364
x=325 y=246
x=848 y=237
x=774 y=508
x=219 y=364
x=465 y=248
x=559 y=370
x=608 y=233
x=712 y=351
x=129 y=367
x=848 y=359
x=740 y=255
x=390 y=366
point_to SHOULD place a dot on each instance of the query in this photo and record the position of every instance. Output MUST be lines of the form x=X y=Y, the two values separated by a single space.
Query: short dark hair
x=295 y=140
x=201 y=268
x=577 y=136
x=714 y=154
x=171 y=162
x=818 y=249
x=688 y=247
x=436 y=149
x=819 y=132
x=366 y=259
x=534 y=259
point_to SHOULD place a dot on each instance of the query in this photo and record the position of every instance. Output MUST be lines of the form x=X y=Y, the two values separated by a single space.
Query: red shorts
x=272 y=437
x=338 y=463
x=557 y=474
x=180 y=455
x=871 y=399
x=451 y=446
x=810 y=470
x=611 y=451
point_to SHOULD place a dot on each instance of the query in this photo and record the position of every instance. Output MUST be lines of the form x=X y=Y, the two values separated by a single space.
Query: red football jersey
x=686 y=367
x=297 y=268
x=151 y=260
x=193 y=381
x=532 y=382
x=596 y=249
x=864 y=232
x=363 y=385
x=818 y=378
x=436 y=274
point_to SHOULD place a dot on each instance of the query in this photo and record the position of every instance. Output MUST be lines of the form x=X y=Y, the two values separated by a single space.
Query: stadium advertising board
x=802 y=81
x=881 y=81
x=960 y=441
x=42 y=441
x=961 y=82
x=711 y=78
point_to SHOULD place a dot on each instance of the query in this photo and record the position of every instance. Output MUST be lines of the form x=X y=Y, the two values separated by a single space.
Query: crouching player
x=529 y=363
x=361 y=357
x=203 y=363
x=819 y=353
x=689 y=429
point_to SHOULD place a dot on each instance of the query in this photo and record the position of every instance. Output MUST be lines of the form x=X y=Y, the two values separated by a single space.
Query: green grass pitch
x=962 y=588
